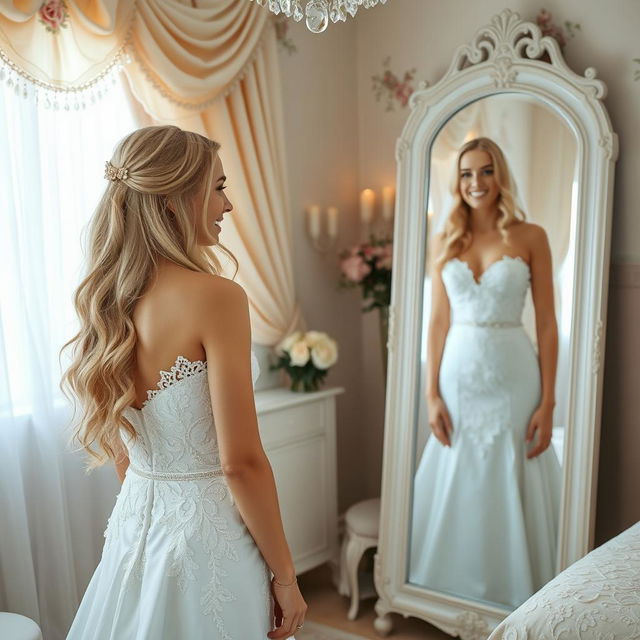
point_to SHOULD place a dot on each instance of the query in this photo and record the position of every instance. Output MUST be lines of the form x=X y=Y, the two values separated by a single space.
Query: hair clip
x=115 y=173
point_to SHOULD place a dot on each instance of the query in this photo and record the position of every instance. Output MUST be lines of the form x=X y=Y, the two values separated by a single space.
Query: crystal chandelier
x=318 y=12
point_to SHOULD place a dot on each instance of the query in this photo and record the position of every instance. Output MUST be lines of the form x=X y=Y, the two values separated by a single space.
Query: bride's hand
x=290 y=609
x=542 y=423
x=439 y=420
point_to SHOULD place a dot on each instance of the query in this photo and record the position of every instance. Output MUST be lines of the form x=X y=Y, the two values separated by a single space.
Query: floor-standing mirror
x=478 y=510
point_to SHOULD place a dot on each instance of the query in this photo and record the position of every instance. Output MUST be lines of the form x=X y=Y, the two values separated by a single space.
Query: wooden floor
x=330 y=608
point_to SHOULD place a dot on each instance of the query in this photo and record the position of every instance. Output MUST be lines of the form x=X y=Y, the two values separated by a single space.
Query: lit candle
x=314 y=221
x=367 y=201
x=388 y=197
x=332 y=221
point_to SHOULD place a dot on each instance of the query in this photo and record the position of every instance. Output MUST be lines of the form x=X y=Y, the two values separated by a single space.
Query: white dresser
x=298 y=432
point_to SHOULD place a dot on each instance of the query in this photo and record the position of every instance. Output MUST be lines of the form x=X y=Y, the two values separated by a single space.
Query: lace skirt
x=485 y=518
x=178 y=562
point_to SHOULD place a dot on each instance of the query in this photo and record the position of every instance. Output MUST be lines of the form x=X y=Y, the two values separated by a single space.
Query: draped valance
x=189 y=51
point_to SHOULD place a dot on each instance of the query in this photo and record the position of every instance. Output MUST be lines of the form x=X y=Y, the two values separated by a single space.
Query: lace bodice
x=175 y=427
x=498 y=297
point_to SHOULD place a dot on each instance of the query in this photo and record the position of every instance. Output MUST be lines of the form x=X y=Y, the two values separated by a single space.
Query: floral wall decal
x=544 y=20
x=284 y=41
x=390 y=86
x=54 y=15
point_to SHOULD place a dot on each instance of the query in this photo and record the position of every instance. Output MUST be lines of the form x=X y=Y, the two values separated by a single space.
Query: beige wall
x=350 y=146
x=320 y=114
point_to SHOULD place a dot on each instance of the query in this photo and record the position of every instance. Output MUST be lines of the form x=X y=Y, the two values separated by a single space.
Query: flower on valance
x=54 y=15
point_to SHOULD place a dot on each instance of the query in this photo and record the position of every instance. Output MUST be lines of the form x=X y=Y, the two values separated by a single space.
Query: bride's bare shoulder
x=530 y=235
x=204 y=291
x=528 y=230
x=192 y=295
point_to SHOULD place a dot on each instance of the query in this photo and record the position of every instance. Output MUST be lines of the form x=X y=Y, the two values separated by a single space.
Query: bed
x=596 y=598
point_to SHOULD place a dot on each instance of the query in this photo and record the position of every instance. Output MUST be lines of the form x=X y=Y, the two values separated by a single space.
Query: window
x=51 y=177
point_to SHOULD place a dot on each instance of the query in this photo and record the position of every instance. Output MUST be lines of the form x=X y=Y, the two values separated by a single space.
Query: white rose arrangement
x=306 y=357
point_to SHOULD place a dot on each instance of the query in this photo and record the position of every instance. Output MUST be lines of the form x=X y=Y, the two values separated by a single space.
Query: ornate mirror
x=478 y=509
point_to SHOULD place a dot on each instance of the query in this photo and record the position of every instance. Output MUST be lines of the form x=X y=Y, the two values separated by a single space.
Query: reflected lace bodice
x=175 y=427
x=498 y=296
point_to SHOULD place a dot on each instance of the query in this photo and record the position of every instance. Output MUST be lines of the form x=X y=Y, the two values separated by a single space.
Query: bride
x=164 y=372
x=487 y=488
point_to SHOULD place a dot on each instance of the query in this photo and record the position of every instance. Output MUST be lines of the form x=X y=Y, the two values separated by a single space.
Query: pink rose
x=402 y=94
x=53 y=14
x=355 y=268
x=544 y=16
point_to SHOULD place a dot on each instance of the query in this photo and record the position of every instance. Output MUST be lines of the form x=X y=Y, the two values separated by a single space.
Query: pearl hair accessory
x=115 y=173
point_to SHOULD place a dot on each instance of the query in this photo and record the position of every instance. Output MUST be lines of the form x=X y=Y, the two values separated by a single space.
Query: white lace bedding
x=596 y=598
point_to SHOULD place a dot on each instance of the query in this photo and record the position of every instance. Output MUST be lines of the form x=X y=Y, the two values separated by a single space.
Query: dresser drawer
x=290 y=423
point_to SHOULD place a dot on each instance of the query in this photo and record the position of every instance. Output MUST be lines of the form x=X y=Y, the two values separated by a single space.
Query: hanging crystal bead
x=336 y=11
x=285 y=6
x=274 y=6
x=351 y=6
x=317 y=15
x=297 y=11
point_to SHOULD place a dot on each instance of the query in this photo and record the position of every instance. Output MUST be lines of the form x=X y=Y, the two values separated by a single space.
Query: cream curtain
x=209 y=66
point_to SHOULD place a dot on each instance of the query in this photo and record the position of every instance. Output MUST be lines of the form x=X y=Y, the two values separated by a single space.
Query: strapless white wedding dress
x=485 y=518
x=178 y=561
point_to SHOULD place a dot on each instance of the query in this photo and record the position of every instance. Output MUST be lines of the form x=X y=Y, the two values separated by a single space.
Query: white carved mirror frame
x=502 y=57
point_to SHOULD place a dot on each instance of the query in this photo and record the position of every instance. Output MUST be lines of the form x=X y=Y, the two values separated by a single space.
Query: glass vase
x=302 y=386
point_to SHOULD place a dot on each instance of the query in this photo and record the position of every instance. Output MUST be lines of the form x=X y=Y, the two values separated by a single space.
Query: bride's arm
x=547 y=334
x=439 y=322
x=222 y=317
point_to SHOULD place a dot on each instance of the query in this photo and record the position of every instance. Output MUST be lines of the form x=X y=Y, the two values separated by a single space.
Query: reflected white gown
x=178 y=561
x=485 y=518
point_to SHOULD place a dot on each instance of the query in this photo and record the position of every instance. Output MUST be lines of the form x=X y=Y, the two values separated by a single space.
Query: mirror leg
x=383 y=623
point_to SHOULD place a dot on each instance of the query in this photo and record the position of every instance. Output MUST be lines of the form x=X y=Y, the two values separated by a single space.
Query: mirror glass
x=484 y=516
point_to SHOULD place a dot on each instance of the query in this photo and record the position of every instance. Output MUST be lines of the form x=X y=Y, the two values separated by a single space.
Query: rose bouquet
x=368 y=266
x=306 y=357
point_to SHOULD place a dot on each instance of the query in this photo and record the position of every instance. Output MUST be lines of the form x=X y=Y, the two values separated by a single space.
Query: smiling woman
x=490 y=401
x=195 y=544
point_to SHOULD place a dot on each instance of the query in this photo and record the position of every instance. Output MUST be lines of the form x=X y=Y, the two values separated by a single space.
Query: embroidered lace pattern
x=495 y=301
x=174 y=493
x=597 y=598
x=183 y=368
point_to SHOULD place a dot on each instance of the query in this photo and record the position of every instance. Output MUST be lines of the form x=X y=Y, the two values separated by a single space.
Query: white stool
x=16 y=627
x=362 y=520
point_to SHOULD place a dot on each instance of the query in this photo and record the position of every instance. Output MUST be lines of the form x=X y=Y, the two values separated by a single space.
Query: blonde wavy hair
x=131 y=228
x=457 y=230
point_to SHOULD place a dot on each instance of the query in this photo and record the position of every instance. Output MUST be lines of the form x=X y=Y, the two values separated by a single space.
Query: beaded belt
x=177 y=477
x=493 y=325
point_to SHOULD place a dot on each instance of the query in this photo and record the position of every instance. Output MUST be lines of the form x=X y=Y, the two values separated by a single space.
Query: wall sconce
x=367 y=209
x=320 y=241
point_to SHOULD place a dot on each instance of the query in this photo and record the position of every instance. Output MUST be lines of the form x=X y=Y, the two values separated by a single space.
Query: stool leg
x=355 y=549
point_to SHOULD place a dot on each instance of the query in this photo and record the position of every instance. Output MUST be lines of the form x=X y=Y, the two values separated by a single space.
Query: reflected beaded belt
x=193 y=475
x=493 y=325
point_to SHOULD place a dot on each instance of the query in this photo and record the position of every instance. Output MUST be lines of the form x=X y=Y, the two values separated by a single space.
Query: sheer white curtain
x=52 y=515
